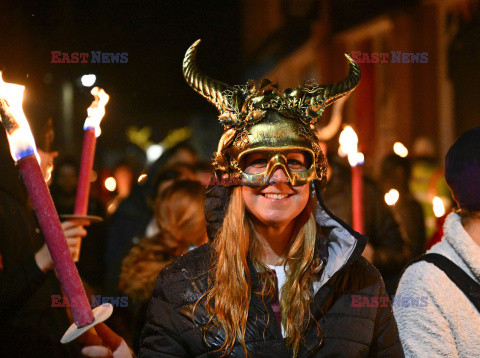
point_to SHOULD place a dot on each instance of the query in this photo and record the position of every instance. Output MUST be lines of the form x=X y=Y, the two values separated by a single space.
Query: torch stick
x=86 y=165
x=96 y=112
x=22 y=147
x=357 y=198
x=348 y=145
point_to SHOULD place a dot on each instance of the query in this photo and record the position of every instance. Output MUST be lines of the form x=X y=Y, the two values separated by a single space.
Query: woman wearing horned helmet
x=281 y=276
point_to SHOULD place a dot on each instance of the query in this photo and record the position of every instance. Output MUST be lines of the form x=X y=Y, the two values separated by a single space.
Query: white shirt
x=281 y=278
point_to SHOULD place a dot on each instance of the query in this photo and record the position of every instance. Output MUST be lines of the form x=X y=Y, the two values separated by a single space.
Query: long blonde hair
x=228 y=299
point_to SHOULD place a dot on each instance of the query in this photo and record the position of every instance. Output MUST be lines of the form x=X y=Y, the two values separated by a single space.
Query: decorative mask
x=268 y=121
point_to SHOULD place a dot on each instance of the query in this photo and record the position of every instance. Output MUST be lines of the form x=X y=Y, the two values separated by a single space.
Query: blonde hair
x=178 y=211
x=179 y=214
x=228 y=299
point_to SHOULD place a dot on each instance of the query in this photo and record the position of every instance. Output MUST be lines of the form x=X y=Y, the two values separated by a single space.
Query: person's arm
x=20 y=275
x=424 y=331
x=18 y=284
x=160 y=336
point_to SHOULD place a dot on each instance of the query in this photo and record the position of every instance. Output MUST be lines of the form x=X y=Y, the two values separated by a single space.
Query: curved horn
x=328 y=132
x=321 y=96
x=209 y=88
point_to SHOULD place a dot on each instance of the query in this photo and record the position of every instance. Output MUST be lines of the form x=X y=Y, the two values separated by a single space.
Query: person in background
x=64 y=185
x=427 y=180
x=29 y=326
x=135 y=213
x=178 y=211
x=63 y=189
x=164 y=179
x=386 y=248
x=123 y=174
x=446 y=280
x=395 y=174
x=146 y=227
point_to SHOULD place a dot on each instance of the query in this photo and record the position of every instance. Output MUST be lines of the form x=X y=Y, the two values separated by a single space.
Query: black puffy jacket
x=348 y=281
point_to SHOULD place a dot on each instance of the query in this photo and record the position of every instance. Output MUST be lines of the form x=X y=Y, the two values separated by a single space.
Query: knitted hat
x=462 y=170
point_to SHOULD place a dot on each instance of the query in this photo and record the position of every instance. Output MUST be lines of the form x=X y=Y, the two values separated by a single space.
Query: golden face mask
x=268 y=121
x=260 y=171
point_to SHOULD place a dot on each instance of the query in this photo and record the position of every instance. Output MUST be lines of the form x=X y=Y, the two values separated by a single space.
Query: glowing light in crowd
x=88 y=80
x=49 y=175
x=154 y=152
x=400 y=149
x=348 y=147
x=438 y=207
x=112 y=208
x=110 y=184
x=142 y=178
x=348 y=141
x=392 y=197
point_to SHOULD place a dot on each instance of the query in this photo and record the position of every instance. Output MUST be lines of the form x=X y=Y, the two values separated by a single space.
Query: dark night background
x=149 y=89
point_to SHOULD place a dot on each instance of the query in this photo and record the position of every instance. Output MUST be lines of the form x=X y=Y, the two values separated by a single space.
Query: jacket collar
x=344 y=245
x=462 y=243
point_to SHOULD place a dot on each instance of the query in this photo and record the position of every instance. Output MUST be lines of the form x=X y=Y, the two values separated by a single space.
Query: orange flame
x=349 y=146
x=13 y=118
x=96 y=111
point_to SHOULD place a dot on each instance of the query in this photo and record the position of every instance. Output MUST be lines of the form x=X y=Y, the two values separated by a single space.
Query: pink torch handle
x=54 y=237
x=357 y=199
x=86 y=165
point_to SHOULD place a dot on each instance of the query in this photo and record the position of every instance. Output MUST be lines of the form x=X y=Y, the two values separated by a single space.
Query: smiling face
x=278 y=203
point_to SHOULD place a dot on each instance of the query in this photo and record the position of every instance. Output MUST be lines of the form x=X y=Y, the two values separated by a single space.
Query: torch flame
x=96 y=111
x=20 y=136
x=349 y=146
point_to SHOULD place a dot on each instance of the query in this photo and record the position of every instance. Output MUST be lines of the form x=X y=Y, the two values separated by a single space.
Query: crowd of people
x=266 y=265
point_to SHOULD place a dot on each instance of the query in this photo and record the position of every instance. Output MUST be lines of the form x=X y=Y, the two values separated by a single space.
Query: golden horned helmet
x=268 y=121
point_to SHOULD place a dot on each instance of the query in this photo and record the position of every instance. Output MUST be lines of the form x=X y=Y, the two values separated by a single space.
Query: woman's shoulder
x=422 y=277
x=426 y=276
x=361 y=274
